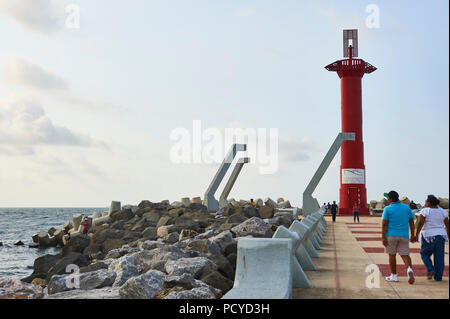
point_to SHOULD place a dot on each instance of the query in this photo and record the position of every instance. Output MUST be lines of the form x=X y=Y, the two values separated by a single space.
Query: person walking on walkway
x=355 y=213
x=433 y=222
x=395 y=235
x=334 y=209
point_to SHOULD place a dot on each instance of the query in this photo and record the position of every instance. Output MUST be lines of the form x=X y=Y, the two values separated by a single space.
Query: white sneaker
x=392 y=278
x=410 y=273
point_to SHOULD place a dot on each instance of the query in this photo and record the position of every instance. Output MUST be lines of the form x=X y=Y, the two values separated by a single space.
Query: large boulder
x=76 y=244
x=124 y=214
x=97 y=279
x=41 y=267
x=405 y=200
x=223 y=239
x=122 y=251
x=149 y=233
x=186 y=282
x=94 y=267
x=171 y=238
x=204 y=246
x=87 y=281
x=111 y=244
x=284 y=204
x=255 y=227
x=373 y=203
x=270 y=202
x=217 y=280
x=14 y=288
x=163 y=231
x=266 y=211
x=157 y=257
x=145 y=286
x=164 y=221
x=73 y=258
x=125 y=268
x=208 y=233
x=186 y=234
x=94 y=251
x=236 y=219
x=443 y=202
x=194 y=266
x=223 y=265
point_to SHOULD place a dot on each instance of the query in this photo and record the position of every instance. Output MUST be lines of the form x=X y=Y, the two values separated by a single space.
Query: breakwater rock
x=152 y=250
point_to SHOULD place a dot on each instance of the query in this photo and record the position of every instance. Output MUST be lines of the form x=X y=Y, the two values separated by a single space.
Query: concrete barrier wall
x=268 y=268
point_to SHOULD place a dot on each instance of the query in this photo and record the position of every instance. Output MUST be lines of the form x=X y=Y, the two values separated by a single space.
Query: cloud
x=43 y=16
x=295 y=149
x=24 y=123
x=23 y=72
x=18 y=150
x=245 y=12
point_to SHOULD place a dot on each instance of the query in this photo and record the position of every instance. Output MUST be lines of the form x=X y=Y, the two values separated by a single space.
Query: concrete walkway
x=348 y=248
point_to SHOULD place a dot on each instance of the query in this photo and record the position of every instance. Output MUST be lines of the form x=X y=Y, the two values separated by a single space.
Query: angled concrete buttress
x=263 y=270
x=209 y=200
x=310 y=204
x=234 y=175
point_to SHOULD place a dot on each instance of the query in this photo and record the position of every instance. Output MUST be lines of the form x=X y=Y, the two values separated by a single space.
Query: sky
x=92 y=93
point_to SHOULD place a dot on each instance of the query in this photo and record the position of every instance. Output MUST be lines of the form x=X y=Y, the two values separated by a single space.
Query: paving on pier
x=348 y=248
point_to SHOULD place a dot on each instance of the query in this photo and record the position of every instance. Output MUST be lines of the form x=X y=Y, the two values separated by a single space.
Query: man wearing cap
x=397 y=217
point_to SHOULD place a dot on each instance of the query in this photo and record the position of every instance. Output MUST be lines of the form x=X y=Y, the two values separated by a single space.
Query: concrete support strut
x=310 y=204
x=209 y=201
x=233 y=177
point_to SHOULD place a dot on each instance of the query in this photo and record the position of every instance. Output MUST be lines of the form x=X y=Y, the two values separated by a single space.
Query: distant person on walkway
x=395 y=235
x=334 y=209
x=328 y=207
x=412 y=205
x=433 y=223
x=85 y=224
x=324 y=207
x=252 y=202
x=355 y=213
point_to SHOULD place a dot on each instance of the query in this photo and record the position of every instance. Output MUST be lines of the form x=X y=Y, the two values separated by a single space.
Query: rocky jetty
x=377 y=207
x=153 y=250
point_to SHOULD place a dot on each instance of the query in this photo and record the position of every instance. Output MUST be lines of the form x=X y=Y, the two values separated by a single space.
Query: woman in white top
x=433 y=223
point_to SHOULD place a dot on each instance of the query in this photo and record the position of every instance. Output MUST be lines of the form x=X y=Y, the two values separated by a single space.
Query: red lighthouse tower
x=353 y=173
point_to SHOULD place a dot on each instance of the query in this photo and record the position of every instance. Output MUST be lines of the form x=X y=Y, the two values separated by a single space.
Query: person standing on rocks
x=85 y=224
x=253 y=202
x=334 y=209
x=395 y=234
x=433 y=223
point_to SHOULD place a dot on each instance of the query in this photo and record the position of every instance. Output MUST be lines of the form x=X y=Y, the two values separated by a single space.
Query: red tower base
x=351 y=194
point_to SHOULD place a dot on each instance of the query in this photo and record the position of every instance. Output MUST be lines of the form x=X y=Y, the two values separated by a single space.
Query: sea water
x=21 y=224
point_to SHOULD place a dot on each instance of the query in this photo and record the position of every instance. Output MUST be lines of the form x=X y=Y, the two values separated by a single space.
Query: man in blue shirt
x=397 y=218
